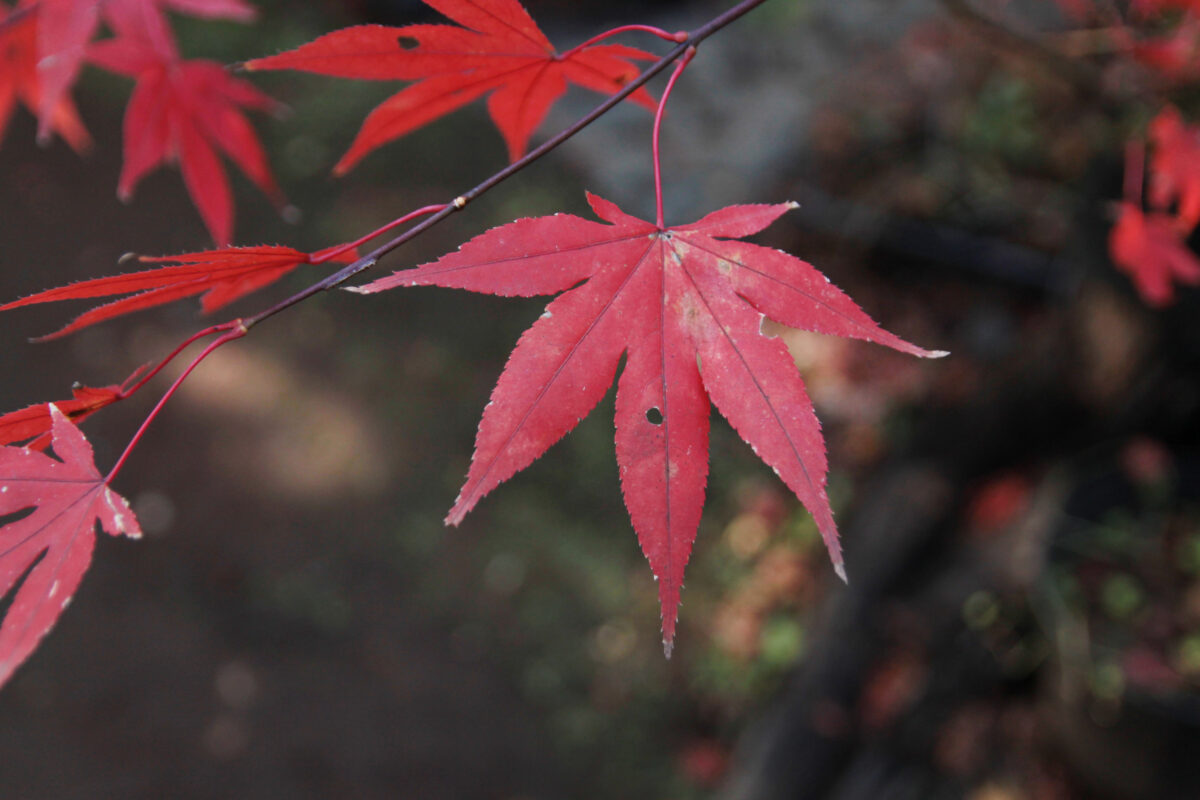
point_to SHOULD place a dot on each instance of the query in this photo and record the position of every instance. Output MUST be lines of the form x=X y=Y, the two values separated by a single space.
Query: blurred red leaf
x=999 y=502
x=19 y=80
x=67 y=26
x=1151 y=249
x=1175 y=166
x=187 y=111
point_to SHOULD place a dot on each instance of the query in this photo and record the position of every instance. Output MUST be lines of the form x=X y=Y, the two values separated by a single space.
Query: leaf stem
x=658 y=118
x=678 y=36
x=331 y=253
x=233 y=330
x=147 y=377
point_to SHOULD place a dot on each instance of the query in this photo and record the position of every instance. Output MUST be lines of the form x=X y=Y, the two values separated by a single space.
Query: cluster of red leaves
x=1149 y=240
x=70 y=498
x=20 y=80
x=498 y=50
x=180 y=110
x=1151 y=245
x=68 y=26
x=685 y=306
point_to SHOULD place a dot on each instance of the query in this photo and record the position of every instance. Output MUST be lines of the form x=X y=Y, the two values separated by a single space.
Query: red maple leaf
x=67 y=26
x=1175 y=166
x=19 y=80
x=52 y=546
x=221 y=276
x=686 y=308
x=1152 y=250
x=32 y=423
x=186 y=111
x=499 y=49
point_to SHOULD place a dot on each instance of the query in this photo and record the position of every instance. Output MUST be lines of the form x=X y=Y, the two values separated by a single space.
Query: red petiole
x=658 y=117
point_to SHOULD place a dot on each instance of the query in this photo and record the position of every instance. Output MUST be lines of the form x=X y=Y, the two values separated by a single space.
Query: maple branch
x=370 y=259
x=658 y=118
x=233 y=330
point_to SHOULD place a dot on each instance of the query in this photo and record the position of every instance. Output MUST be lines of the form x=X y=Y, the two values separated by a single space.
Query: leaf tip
x=792 y=205
x=936 y=354
x=668 y=647
x=840 y=570
x=48 y=337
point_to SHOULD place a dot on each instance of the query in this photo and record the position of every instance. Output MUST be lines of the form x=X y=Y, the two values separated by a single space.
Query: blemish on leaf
x=408 y=42
x=654 y=416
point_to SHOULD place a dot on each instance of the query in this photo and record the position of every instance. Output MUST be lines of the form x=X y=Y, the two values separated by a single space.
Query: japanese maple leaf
x=187 y=111
x=19 y=80
x=221 y=276
x=1152 y=250
x=52 y=546
x=685 y=305
x=499 y=50
x=67 y=26
x=32 y=423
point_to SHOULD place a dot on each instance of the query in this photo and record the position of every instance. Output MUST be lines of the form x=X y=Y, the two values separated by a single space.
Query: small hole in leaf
x=654 y=416
x=408 y=42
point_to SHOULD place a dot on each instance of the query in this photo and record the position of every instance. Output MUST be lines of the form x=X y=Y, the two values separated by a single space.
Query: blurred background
x=1021 y=519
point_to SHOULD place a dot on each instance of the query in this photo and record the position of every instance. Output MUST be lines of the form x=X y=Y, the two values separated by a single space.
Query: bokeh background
x=1020 y=519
